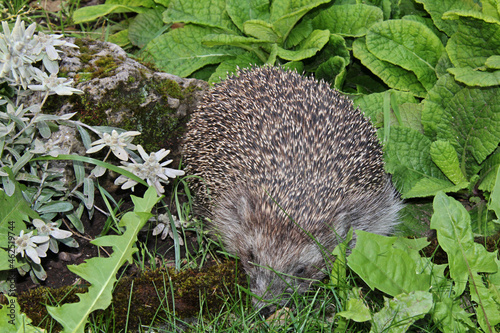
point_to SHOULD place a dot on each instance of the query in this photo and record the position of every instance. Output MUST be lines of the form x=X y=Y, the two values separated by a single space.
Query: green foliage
x=101 y=272
x=13 y=320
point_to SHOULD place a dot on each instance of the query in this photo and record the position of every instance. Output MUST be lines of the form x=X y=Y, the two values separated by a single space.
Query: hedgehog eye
x=300 y=271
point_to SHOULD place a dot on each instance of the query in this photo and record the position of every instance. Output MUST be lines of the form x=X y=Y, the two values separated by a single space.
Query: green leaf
x=209 y=13
x=146 y=26
x=451 y=317
x=244 y=11
x=348 y=20
x=494 y=202
x=382 y=266
x=286 y=13
x=392 y=75
x=436 y=101
x=408 y=44
x=307 y=48
x=476 y=40
x=356 y=310
x=180 y=51
x=91 y=13
x=233 y=40
x=493 y=62
x=445 y=156
x=452 y=224
x=261 y=30
x=399 y=313
x=437 y=8
x=471 y=123
x=407 y=156
x=101 y=272
x=486 y=296
x=230 y=66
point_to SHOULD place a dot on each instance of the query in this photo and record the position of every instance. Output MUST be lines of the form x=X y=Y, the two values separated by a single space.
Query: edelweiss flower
x=151 y=170
x=50 y=229
x=28 y=244
x=163 y=227
x=116 y=142
x=48 y=43
x=53 y=84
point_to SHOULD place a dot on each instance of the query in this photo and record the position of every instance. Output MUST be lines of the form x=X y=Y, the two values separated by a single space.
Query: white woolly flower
x=163 y=227
x=53 y=84
x=151 y=170
x=16 y=54
x=27 y=243
x=116 y=142
x=50 y=229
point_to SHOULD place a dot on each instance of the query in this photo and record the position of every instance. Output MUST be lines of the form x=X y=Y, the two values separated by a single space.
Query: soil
x=56 y=265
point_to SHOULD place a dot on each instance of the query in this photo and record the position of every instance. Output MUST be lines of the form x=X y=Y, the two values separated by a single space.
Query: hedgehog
x=288 y=166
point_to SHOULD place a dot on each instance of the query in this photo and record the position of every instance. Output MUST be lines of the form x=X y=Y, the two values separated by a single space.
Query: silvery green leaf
x=84 y=135
x=56 y=206
x=75 y=218
x=98 y=171
x=67 y=116
x=4 y=130
x=44 y=130
x=88 y=192
x=69 y=242
x=8 y=186
x=79 y=172
x=21 y=162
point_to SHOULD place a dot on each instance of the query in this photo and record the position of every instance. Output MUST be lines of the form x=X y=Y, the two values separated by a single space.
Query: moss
x=169 y=88
x=153 y=292
x=104 y=66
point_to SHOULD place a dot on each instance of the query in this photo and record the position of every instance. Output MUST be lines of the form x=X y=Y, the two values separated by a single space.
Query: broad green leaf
x=487 y=300
x=209 y=13
x=450 y=317
x=145 y=27
x=471 y=123
x=445 y=156
x=399 y=313
x=493 y=62
x=307 y=48
x=243 y=11
x=99 y=272
x=348 y=20
x=230 y=66
x=476 y=40
x=356 y=310
x=382 y=266
x=437 y=8
x=180 y=51
x=408 y=44
x=494 y=202
x=298 y=34
x=120 y=38
x=91 y=13
x=232 y=40
x=261 y=30
x=436 y=101
x=394 y=76
x=407 y=157
x=286 y=13
x=465 y=257
x=372 y=104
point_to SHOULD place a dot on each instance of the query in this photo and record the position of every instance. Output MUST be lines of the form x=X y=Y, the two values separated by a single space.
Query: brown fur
x=291 y=167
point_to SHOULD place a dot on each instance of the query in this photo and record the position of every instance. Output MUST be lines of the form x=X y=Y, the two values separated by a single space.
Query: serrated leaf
x=445 y=156
x=348 y=20
x=244 y=11
x=286 y=13
x=101 y=272
x=180 y=51
x=15 y=321
x=477 y=39
x=394 y=76
x=307 y=48
x=146 y=26
x=437 y=9
x=408 y=44
x=382 y=266
x=91 y=13
x=399 y=313
x=452 y=224
x=209 y=13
